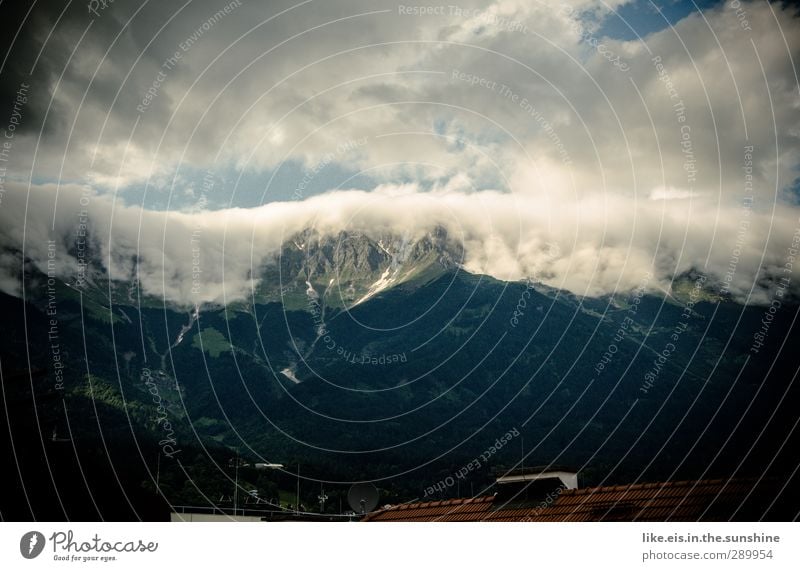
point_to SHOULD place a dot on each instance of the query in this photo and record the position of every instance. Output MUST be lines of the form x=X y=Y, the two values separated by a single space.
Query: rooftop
x=701 y=500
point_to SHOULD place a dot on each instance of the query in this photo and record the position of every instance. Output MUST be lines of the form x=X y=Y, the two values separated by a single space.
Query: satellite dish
x=363 y=498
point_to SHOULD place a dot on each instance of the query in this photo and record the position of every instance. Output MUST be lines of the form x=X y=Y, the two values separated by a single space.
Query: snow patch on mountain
x=289 y=374
x=384 y=282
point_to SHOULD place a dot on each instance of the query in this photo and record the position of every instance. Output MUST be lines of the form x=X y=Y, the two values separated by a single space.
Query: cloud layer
x=582 y=248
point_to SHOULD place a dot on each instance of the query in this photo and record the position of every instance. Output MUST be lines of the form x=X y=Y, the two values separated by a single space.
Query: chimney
x=533 y=485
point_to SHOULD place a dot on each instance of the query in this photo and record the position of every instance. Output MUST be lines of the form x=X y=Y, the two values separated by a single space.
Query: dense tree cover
x=404 y=389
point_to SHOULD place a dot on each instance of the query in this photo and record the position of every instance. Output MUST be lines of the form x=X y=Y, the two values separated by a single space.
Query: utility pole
x=322 y=498
x=236 y=484
x=297 y=502
x=237 y=463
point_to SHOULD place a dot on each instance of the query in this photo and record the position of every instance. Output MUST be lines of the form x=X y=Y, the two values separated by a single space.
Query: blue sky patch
x=642 y=17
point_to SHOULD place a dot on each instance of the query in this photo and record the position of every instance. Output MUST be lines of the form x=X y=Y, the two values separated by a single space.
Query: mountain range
x=381 y=358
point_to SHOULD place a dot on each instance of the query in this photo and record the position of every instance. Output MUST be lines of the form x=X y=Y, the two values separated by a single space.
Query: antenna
x=363 y=498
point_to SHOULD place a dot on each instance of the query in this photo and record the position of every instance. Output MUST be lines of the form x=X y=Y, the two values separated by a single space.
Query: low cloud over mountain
x=595 y=246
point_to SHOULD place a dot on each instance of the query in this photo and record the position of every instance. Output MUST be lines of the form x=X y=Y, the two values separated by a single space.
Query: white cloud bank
x=507 y=236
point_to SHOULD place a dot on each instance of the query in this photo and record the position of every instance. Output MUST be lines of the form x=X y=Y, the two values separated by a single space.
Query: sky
x=638 y=136
x=636 y=19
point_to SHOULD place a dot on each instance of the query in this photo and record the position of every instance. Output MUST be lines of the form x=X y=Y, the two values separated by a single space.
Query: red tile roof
x=706 y=500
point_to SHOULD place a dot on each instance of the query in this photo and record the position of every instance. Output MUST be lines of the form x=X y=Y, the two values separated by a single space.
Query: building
x=552 y=495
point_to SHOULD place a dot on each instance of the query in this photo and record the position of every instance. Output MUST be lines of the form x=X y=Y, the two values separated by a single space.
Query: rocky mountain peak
x=349 y=267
